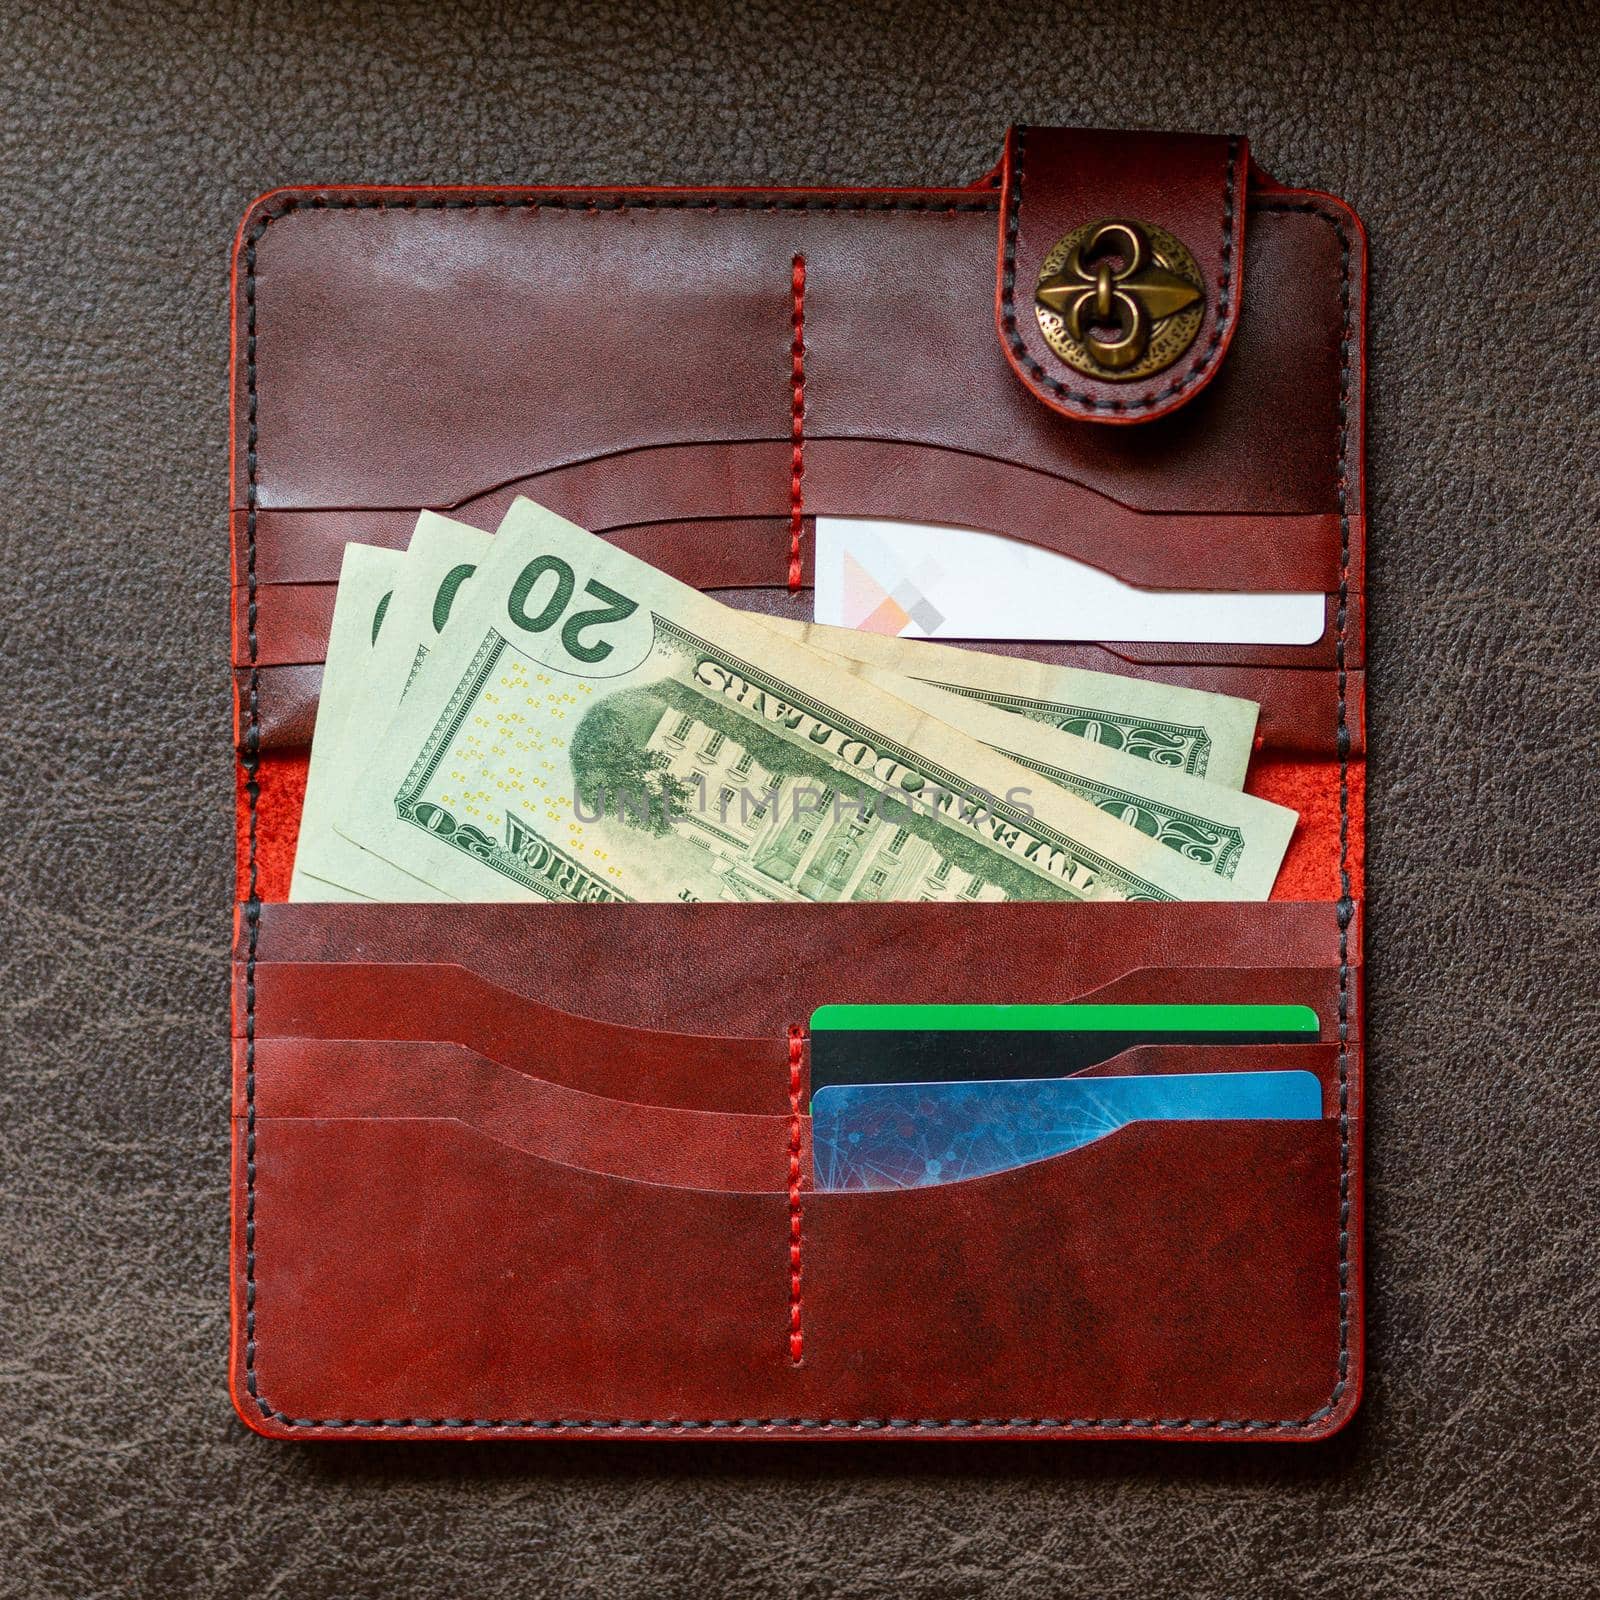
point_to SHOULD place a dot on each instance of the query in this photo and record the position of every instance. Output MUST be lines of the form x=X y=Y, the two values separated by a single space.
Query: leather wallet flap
x=1119 y=280
x=452 y=348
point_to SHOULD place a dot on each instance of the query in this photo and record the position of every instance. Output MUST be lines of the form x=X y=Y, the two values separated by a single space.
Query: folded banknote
x=540 y=715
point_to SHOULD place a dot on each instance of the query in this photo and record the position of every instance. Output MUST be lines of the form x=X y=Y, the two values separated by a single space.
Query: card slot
x=421 y=1269
x=404 y=1000
x=1177 y=545
x=706 y=477
x=755 y=971
x=1168 y=1270
x=365 y=1080
x=450 y=1004
x=1153 y=1059
x=306 y=547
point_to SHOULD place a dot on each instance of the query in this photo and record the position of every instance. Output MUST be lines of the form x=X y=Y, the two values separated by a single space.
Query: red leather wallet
x=534 y=1170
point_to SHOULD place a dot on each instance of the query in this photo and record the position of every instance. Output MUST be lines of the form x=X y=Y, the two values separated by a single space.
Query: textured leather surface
x=450 y=348
x=457 y=1239
x=129 y=147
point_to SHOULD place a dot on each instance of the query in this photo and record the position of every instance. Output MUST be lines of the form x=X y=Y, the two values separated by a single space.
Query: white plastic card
x=927 y=581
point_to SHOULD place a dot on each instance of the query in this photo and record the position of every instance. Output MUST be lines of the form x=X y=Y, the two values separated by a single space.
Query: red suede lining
x=1310 y=870
x=282 y=776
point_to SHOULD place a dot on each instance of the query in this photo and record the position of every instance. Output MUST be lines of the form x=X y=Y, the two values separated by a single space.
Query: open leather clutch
x=544 y=1170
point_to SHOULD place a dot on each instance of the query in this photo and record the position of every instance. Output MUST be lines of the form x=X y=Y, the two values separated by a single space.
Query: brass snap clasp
x=1119 y=300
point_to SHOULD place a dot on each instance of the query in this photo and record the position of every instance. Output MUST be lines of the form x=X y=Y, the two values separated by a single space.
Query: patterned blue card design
x=912 y=1135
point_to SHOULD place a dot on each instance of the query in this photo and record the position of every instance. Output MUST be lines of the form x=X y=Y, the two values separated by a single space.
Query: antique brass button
x=1119 y=300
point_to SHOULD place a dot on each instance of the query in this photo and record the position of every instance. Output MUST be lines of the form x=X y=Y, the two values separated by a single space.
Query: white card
x=924 y=581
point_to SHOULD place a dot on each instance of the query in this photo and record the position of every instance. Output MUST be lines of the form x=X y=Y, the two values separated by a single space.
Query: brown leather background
x=129 y=146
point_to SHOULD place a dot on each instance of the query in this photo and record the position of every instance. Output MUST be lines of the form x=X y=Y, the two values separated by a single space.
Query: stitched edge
x=595 y=204
x=1200 y=365
x=797 y=1344
x=1345 y=910
x=797 y=424
x=251 y=762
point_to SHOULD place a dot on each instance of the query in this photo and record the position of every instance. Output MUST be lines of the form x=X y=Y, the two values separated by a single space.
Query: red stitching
x=797 y=426
x=796 y=1330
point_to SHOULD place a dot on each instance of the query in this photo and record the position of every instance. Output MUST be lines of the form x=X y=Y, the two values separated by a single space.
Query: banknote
x=441 y=557
x=1207 y=735
x=1235 y=835
x=586 y=728
x=326 y=865
x=366 y=686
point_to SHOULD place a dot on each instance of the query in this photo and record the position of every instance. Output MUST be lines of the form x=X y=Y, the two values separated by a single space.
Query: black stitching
x=251 y=761
x=1344 y=911
x=1346 y=907
x=596 y=205
x=1200 y=365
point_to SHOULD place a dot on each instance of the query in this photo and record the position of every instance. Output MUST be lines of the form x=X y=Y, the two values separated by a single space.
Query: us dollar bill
x=1206 y=735
x=326 y=865
x=381 y=633
x=1235 y=835
x=588 y=729
x=442 y=556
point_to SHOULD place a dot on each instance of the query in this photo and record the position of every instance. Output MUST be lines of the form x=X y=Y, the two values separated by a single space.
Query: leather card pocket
x=466 y=1202
x=449 y=1004
x=749 y=971
x=1168 y=1270
x=415 y=1270
x=365 y=1080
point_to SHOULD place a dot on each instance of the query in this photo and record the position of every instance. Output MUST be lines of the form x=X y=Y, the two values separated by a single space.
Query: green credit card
x=854 y=1044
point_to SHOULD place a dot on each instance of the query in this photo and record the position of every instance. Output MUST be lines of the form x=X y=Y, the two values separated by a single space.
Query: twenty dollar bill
x=326 y=865
x=1234 y=835
x=587 y=728
x=1206 y=735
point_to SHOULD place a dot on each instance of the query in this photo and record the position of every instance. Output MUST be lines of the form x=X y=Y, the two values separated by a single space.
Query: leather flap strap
x=1119 y=266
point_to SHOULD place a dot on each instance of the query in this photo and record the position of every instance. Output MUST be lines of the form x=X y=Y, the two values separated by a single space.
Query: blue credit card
x=911 y=1135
